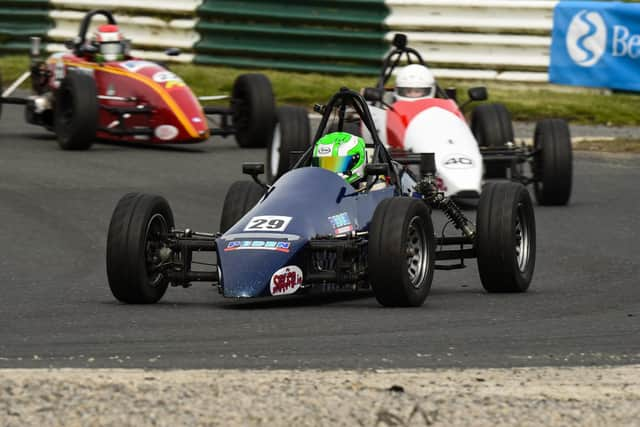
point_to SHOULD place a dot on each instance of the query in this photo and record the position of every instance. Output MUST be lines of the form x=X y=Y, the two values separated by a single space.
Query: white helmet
x=414 y=82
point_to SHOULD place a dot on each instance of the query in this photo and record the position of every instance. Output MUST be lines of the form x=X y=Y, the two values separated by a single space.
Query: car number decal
x=268 y=223
x=458 y=161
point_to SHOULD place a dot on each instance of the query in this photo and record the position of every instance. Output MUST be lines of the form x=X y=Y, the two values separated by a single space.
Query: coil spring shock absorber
x=436 y=198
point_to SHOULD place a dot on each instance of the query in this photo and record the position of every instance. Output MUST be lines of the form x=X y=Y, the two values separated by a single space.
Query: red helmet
x=109 y=41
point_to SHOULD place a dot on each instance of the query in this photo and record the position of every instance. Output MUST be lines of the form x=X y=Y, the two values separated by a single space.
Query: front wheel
x=76 y=112
x=240 y=198
x=290 y=133
x=506 y=239
x=136 y=248
x=253 y=110
x=401 y=252
x=553 y=162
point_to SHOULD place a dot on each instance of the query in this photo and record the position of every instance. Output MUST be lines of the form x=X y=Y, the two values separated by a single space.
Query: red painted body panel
x=404 y=111
x=173 y=105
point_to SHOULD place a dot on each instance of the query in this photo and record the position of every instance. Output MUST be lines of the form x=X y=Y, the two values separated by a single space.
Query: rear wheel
x=401 y=252
x=240 y=198
x=553 y=164
x=492 y=127
x=253 y=108
x=506 y=239
x=136 y=248
x=76 y=112
x=290 y=133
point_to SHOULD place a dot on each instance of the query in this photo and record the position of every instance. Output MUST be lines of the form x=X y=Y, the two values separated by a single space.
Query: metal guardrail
x=478 y=39
x=312 y=35
x=483 y=39
x=20 y=19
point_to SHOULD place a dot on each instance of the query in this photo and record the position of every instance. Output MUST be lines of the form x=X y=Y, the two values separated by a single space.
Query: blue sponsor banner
x=596 y=44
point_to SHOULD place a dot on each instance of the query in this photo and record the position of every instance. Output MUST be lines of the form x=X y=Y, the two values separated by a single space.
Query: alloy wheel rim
x=416 y=252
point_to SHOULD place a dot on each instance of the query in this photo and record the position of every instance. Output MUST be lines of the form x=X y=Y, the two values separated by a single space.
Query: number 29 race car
x=431 y=121
x=98 y=91
x=312 y=230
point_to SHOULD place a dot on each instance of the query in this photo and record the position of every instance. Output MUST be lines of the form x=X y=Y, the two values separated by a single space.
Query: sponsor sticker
x=341 y=223
x=267 y=245
x=166 y=132
x=286 y=281
x=167 y=78
x=135 y=66
x=325 y=150
x=268 y=223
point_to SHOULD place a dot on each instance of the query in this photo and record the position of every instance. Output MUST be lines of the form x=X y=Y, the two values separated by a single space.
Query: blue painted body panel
x=319 y=203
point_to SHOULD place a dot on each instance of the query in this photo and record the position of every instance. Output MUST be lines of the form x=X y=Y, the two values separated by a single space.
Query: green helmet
x=342 y=153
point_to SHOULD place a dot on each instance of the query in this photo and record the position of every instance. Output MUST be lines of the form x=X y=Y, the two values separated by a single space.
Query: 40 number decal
x=268 y=223
x=458 y=161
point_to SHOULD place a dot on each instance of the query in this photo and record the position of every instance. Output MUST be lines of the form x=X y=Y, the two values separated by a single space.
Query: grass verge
x=527 y=102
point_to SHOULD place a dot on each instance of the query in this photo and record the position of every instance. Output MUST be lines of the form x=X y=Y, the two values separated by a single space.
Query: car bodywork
x=137 y=100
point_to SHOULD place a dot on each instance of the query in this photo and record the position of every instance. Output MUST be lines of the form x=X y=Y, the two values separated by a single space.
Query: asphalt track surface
x=56 y=309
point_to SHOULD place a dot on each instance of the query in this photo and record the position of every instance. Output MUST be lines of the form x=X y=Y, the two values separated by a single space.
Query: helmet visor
x=338 y=164
x=114 y=48
x=414 y=92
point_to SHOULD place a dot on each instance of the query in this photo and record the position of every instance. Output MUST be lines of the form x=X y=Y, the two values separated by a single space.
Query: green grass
x=527 y=102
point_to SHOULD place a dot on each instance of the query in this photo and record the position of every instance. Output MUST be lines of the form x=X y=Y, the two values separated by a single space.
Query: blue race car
x=318 y=228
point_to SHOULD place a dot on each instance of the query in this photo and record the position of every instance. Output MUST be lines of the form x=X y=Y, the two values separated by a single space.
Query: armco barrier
x=20 y=19
x=484 y=39
x=311 y=35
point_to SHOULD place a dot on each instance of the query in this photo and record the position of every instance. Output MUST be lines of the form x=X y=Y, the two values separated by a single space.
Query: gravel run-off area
x=580 y=396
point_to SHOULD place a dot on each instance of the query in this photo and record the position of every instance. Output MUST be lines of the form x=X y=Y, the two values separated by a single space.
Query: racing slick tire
x=290 y=133
x=76 y=112
x=491 y=125
x=401 y=252
x=553 y=163
x=253 y=110
x=506 y=237
x=137 y=231
x=240 y=198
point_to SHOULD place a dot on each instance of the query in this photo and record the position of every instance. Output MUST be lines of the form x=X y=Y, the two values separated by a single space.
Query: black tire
x=254 y=111
x=291 y=132
x=392 y=271
x=506 y=239
x=240 y=198
x=76 y=112
x=491 y=125
x=138 y=227
x=553 y=164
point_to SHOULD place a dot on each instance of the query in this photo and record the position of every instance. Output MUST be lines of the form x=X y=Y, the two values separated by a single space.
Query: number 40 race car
x=466 y=153
x=312 y=230
x=98 y=91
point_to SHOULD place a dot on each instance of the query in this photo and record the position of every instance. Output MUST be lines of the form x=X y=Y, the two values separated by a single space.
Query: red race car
x=97 y=91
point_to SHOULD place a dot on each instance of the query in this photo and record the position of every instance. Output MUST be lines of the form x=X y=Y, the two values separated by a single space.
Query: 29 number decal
x=268 y=223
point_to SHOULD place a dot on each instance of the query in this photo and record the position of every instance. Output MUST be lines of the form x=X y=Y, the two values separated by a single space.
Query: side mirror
x=427 y=164
x=372 y=94
x=400 y=40
x=478 y=93
x=172 y=51
x=253 y=169
x=376 y=169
